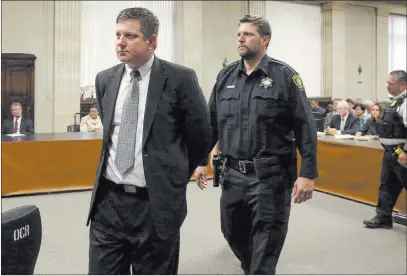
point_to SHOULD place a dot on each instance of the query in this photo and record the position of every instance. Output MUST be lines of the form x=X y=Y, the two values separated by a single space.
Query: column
x=382 y=56
x=257 y=8
x=333 y=20
x=66 y=63
x=164 y=11
x=245 y=7
x=188 y=23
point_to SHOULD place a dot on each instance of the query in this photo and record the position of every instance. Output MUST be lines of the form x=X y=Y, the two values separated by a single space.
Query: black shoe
x=379 y=222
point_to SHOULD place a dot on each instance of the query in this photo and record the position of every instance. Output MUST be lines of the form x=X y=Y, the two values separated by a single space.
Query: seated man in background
x=369 y=105
x=17 y=124
x=330 y=114
x=316 y=108
x=370 y=127
x=351 y=105
x=91 y=122
x=344 y=122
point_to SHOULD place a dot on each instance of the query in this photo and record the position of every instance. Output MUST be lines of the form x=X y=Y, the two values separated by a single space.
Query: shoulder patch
x=297 y=80
x=393 y=103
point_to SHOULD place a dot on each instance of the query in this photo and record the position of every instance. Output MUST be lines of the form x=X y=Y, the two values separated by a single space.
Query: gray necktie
x=342 y=124
x=128 y=127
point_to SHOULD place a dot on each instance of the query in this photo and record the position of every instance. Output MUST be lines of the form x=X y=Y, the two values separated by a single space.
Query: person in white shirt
x=91 y=122
x=156 y=131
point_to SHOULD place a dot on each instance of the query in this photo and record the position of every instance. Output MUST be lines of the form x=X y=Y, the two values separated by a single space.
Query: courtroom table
x=351 y=169
x=50 y=162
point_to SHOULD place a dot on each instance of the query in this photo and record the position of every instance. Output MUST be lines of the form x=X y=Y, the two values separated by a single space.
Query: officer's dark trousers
x=123 y=239
x=254 y=219
x=392 y=180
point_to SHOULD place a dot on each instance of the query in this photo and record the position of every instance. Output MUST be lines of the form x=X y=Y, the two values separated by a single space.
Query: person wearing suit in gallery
x=156 y=130
x=17 y=124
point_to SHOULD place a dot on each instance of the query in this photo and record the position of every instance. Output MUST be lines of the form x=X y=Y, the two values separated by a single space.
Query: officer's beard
x=250 y=54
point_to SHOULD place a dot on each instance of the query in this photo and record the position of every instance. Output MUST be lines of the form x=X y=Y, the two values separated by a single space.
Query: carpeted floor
x=326 y=236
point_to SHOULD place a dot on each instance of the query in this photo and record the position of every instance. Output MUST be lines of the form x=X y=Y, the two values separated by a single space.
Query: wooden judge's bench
x=44 y=163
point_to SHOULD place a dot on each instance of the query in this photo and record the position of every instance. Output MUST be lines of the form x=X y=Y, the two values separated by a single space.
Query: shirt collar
x=346 y=116
x=143 y=69
x=263 y=65
x=401 y=95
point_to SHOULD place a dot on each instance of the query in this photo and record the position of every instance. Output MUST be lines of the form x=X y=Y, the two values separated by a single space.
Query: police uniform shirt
x=261 y=114
x=402 y=110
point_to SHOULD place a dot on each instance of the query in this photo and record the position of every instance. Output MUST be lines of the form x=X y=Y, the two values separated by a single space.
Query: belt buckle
x=130 y=189
x=242 y=166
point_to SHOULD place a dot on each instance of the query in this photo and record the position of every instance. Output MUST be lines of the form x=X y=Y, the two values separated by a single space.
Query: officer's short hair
x=263 y=26
x=400 y=75
x=149 y=23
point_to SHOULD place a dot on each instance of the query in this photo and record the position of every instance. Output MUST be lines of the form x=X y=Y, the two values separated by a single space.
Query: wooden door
x=17 y=77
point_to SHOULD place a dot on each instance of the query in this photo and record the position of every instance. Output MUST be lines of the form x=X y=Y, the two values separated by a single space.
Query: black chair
x=318 y=115
x=21 y=235
x=319 y=123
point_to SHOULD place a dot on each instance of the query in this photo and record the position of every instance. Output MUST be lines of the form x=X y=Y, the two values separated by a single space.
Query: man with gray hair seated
x=17 y=124
x=345 y=122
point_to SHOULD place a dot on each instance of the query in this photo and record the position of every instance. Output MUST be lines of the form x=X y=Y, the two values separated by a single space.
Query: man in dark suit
x=345 y=122
x=156 y=132
x=17 y=124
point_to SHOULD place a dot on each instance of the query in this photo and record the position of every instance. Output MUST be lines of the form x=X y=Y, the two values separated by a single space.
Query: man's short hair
x=400 y=75
x=263 y=26
x=15 y=105
x=149 y=23
x=343 y=104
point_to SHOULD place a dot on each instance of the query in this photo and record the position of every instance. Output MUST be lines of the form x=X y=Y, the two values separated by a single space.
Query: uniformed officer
x=260 y=114
x=392 y=133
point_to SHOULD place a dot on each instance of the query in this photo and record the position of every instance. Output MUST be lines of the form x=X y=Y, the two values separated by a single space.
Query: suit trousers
x=393 y=179
x=254 y=219
x=123 y=239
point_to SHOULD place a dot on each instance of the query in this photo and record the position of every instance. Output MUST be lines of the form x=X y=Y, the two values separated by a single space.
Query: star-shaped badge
x=266 y=83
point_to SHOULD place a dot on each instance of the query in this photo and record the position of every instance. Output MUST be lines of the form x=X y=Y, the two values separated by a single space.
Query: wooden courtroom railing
x=43 y=163
x=67 y=161
x=351 y=169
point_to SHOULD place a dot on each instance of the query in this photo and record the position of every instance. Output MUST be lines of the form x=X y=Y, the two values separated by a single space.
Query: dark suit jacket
x=176 y=137
x=370 y=127
x=352 y=124
x=25 y=127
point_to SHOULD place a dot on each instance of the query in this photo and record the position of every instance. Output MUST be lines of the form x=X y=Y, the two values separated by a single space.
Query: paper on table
x=344 y=136
x=15 y=134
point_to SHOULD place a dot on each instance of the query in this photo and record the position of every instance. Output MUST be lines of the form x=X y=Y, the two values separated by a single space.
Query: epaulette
x=284 y=64
x=231 y=64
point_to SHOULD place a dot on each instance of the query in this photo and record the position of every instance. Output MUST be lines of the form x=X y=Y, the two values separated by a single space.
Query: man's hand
x=331 y=131
x=402 y=159
x=302 y=190
x=201 y=177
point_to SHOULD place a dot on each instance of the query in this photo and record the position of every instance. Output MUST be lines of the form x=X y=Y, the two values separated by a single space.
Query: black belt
x=392 y=147
x=126 y=189
x=243 y=166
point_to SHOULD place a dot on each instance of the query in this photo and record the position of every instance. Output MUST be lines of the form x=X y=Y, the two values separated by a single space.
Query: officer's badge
x=266 y=83
x=297 y=80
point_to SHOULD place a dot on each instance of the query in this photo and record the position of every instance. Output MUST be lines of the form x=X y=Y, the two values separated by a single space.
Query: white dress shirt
x=343 y=123
x=402 y=110
x=134 y=176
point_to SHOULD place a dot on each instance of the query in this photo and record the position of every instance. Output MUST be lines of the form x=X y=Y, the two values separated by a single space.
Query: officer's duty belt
x=392 y=147
x=243 y=166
